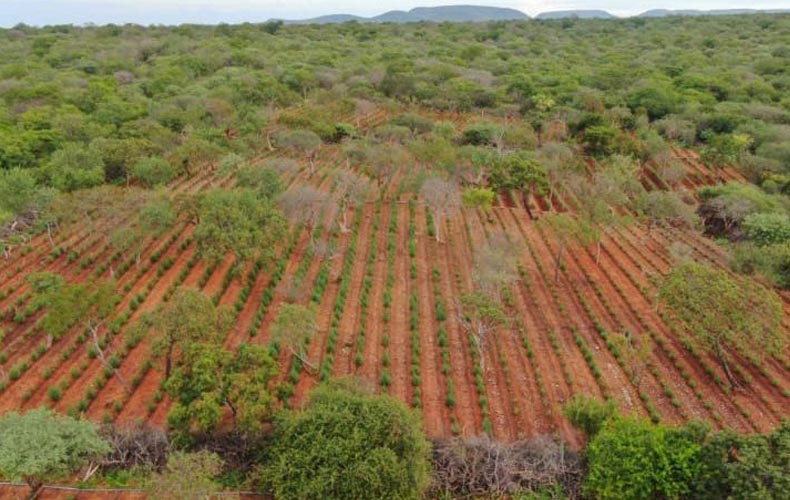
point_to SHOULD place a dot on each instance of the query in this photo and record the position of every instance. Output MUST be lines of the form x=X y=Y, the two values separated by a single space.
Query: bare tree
x=383 y=161
x=286 y=167
x=303 y=142
x=496 y=264
x=305 y=205
x=480 y=315
x=442 y=197
x=351 y=190
x=669 y=169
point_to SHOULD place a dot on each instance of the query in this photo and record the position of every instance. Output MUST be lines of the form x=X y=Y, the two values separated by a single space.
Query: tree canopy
x=347 y=444
x=40 y=445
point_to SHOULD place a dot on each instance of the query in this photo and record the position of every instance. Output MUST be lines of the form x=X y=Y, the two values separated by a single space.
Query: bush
x=348 y=444
x=588 y=414
x=767 y=228
x=634 y=459
x=153 y=171
x=481 y=134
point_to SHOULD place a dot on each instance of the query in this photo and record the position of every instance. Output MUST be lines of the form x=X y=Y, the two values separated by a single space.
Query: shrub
x=348 y=444
x=634 y=459
x=588 y=414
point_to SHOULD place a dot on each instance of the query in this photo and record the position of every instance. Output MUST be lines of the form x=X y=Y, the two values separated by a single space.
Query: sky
x=40 y=12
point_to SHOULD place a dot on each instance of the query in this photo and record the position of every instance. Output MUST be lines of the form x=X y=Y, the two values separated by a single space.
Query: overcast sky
x=38 y=12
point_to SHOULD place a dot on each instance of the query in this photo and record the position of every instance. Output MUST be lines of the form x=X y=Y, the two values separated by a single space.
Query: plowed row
x=407 y=339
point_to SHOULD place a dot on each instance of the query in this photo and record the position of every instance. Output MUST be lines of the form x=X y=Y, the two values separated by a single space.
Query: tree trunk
x=525 y=200
x=558 y=263
x=598 y=253
x=35 y=487
x=49 y=236
x=168 y=361
x=436 y=226
x=344 y=220
x=304 y=361
x=730 y=376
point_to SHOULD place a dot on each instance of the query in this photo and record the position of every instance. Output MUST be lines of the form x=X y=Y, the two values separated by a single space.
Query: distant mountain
x=715 y=12
x=450 y=13
x=575 y=14
x=476 y=13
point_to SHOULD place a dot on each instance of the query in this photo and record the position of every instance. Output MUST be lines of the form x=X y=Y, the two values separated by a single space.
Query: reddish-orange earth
x=552 y=347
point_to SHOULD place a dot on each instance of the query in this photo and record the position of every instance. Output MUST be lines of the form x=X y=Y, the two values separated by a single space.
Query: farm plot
x=392 y=304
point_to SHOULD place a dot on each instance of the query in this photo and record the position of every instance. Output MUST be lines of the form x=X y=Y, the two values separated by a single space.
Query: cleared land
x=388 y=301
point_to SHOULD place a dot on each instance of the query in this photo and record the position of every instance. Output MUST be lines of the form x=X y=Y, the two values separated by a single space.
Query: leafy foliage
x=39 y=445
x=187 y=475
x=237 y=221
x=722 y=312
x=347 y=444
x=634 y=459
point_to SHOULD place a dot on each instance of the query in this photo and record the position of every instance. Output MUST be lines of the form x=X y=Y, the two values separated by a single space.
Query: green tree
x=767 y=228
x=725 y=313
x=189 y=317
x=482 y=198
x=294 y=328
x=18 y=190
x=666 y=208
x=724 y=149
x=40 y=445
x=153 y=171
x=75 y=167
x=588 y=414
x=264 y=180
x=209 y=379
x=635 y=460
x=747 y=467
x=237 y=221
x=87 y=304
x=520 y=171
x=157 y=215
x=350 y=445
x=69 y=304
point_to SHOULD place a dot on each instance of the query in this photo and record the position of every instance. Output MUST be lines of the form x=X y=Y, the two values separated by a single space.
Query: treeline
x=132 y=105
x=347 y=443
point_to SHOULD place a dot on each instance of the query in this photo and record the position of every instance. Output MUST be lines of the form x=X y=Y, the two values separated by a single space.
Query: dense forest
x=524 y=259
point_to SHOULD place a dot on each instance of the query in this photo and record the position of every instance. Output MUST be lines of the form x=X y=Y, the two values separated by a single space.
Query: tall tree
x=520 y=171
x=305 y=205
x=351 y=190
x=209 y=379
x=41 y=445
x=305 y=143
x=68 y=305
x=237 y=221
x=188 y=318
x=348 y=444
x=480 y=315
x=724 y=313
x=293 y=329
x=190 y=476
x=567 y=228
x=442 y=198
